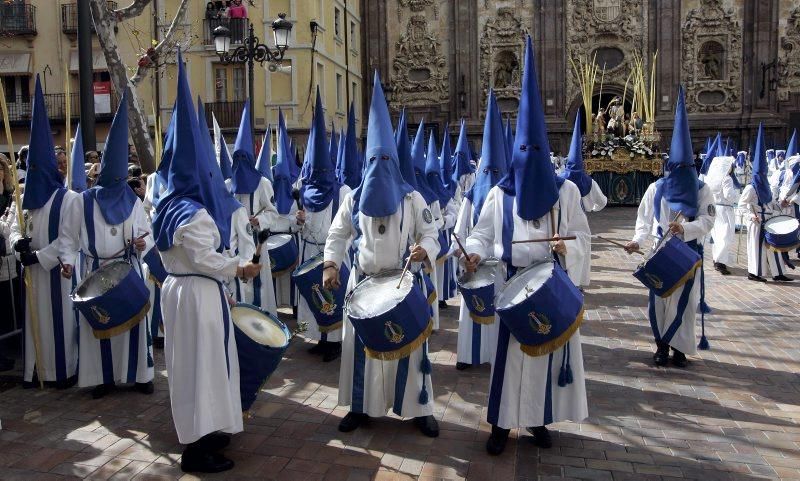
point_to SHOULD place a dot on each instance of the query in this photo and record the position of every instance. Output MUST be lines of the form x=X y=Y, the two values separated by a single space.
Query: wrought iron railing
x=20 y=108
x=237 y=26
x=228 y=114
x=69 y=17
x=17 y=19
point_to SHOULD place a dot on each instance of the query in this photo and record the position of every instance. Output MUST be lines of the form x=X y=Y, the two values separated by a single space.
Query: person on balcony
x=237 y=10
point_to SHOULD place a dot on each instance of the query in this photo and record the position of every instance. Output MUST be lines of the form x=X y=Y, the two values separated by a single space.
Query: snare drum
x=113 y=299
x=477 y=291
x=390 y=321
x=782 y=233
x=541 y=307
x=326 y=305
x=669 y=267
x=283 y=253
x=261 y=340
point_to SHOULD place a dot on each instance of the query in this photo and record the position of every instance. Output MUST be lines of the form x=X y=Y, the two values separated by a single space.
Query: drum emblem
x=478 y=304
x=540 y=323
x=393 y=332
x=654 y=280
x=323 y=300
x=271 y=262
x=100 y=315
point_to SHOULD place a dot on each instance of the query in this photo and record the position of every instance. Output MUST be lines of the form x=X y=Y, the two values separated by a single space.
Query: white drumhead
x=484 y=276
x=378 y=294
x=102 y=280
x=277 y=240
x=310 y=264
x=782 y=224
x=516 y=289
x=258 y=327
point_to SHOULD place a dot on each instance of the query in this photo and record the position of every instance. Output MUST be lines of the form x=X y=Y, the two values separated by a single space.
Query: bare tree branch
x=142 y=70
x=131 y=11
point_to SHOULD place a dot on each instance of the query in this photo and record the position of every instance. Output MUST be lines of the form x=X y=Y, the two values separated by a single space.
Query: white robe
x=312 y=242
x=761 y=261
x=242 y=247
x=200 y=346
x=369 y=385
x=667 y=310
x=476 y=342
x=286 y=294
x=446 y=267
x=127 y=357
x=519 y=389
x=594 y=201
x=148 y=203
x=725 y=198
x=268 y=218
x=55 y=317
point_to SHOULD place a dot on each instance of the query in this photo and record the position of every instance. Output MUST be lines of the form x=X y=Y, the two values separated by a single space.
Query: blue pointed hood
x=42 y=177
x=462 y=156
x=573 y=168
x=162 y=171
x=225 y=162
x=792 y=149
x=281 y=171
x=493 y=163
x=264 y=161
x=404 y=152
x=333 y=147
x=681 y=186
x=382 y=188
x=319 y=185
x=531 y=177
x=350 y=172
x=194 y=180
x=294 y=169
x=202 y=125
x=418 y=153
x=446 y=166
x=114 y=197
x=760 y=180
x=340 y=157
x=77 y=163
x=509 y=134
x=433 y=174
x=245 y=178
x=741 y=159
x=711 y=152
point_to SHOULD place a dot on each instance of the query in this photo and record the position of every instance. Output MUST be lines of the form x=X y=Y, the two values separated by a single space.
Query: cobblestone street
x=734 y=413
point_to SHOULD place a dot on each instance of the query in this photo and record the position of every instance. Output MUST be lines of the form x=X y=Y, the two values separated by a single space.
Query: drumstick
x=116 y=254
x=61 y=263
x=618 y=244
x=405 y=269
x=549 y=239
x=669 y=233
x=460 y=245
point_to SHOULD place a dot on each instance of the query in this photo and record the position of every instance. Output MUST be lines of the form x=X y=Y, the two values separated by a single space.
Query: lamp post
x=252 y=51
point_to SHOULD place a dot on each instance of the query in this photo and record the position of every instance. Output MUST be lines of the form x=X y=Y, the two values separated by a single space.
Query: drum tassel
x=426 y=368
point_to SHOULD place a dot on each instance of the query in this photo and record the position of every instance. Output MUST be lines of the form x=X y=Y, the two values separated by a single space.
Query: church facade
x=739 y=60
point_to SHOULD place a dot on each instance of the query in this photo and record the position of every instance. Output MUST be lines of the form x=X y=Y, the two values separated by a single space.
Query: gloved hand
x=28 y=258
x=23 y=245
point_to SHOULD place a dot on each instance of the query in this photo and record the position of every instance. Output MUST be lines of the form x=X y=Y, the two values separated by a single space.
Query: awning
x=98 y=61
x=15 y=63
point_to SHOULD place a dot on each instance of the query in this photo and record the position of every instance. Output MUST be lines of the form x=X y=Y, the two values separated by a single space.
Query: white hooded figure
x=726 y=193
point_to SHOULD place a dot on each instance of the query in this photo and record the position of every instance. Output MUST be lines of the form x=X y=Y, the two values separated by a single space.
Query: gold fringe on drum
x=124 y=327
x=553 y=345
x=783 y=249
x=289 y=270
x=485 y=320
x=405 y=350
x=332 y=327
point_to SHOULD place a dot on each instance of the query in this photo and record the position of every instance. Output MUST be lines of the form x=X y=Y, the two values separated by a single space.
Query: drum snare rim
x=91 y=275
x=497 y=295
x=348 y=297
x=269 y=316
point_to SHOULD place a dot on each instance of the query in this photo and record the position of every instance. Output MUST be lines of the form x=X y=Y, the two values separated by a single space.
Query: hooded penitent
x=114 y=197
x=530 y=177
x=320 y=184
x=573 y=168
x=194 y=182
x=446 y=167
x=433 y=174
x=760 y=180
x=264 y=161
x=383 y=187
x=712 y=151
x=681 y=186
x=791 y=149
x=43 y=178
x=462 y=156
x=418 y=163
x=78 y=173
x=493 y=158
x=221 y=150
x=350 y=170
x=404 y=152
x=245 y=178
x=281 y=171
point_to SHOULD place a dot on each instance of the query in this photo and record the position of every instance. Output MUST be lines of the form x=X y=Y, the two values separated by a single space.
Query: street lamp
x=252 y=50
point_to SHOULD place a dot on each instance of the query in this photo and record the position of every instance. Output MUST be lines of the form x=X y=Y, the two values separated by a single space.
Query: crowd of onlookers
x=225 y=9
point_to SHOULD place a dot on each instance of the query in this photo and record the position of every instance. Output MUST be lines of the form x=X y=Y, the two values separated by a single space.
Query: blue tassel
x=423 y=395
x=562 y=377
x=703 y=345
x=425 y=366
x=704 y=307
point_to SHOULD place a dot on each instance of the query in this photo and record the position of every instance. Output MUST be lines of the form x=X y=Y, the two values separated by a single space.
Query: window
x=17 y=88
x=339 y=99
x=353 y=41
x=354 y=96
x=321 y=78
x=337 y=18
x=229 y=83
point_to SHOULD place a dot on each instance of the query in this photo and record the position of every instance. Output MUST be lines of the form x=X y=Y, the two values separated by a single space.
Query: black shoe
x=497 y=440
x=67 y=383
x=100 y=391
x=214 y=442
x=352 y=421
x=541 y=437
x=461 y=366
x=428 y=426
x=332 y=351
x=443 y=305
x=679 y=358
x=318 y=348
x=753 y=277
x=782 y=278
x=6 y=364
x=158 y=343
x=722 y=269
x=145 y=387
x=661 y=357
x=195 y=460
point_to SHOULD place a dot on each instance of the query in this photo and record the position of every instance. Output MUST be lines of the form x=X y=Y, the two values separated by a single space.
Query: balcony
x=20 y=109
x=237 y=26
x=17 y=19
x=228 y=114
x=69 y=17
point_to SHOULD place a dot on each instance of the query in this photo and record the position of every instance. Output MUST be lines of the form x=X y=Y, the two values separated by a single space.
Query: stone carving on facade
x=420 y=72
x=789 y=68
x=594 y=25
x=711 y=55
x=416 y=6
x=501 y=51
